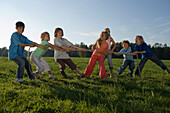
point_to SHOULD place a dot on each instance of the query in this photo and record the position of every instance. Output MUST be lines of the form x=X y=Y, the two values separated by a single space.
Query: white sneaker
x=19 y=80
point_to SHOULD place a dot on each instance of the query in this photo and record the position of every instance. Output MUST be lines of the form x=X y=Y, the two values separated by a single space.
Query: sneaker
x=111 y=76
x=63 y=74
x=35 y=80
x=51 y=77
x=19 y=80
x=36 y=75
x=82 y=76
x=167 y=71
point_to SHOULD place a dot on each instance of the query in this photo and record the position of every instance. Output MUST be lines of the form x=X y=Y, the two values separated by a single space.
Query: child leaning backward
x=16 y=52
x=128 y=59
x=38 y=60
x=61 y=57
x=142 y=47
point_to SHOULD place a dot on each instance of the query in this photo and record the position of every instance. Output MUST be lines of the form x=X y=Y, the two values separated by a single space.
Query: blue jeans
x=109 y=57
x=22 y=63
x=154 y=59
x=126 y=63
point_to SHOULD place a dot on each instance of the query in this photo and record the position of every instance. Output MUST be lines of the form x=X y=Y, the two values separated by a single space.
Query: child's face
x=125 y=45
x=103 y=36
x=137 y=41
x=20 y=30
x=47 y=37
x=60 y=34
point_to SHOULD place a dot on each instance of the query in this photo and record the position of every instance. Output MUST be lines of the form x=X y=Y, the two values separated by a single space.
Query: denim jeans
x=109 y=57
x=22 y=63
x=154 y=59
x=126 y=63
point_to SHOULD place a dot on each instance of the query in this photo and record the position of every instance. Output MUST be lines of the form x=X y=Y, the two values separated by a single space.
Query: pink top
x=102 y=48
x=109 y=43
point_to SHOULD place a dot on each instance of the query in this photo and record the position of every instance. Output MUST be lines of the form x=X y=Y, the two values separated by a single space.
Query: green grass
x=149 y=94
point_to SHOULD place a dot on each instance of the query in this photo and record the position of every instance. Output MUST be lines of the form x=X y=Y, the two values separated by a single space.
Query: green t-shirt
x=39 y=51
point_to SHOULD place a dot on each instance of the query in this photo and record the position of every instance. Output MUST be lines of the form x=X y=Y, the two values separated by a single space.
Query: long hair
x=99 y=41
x=140 y=38
x=43 y=35
x=57 y=30
x=106 y=30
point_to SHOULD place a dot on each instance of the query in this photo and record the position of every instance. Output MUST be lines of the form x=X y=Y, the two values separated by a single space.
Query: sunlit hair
x=99 y=41
x=126 y=41
x=106 y=30
x=140 y=38
x=43 y=35
x=57 y=30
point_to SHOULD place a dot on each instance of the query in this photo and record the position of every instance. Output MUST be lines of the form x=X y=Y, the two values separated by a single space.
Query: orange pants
x=91 y=65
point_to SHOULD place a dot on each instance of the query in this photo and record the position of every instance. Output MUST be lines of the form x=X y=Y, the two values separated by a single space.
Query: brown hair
x=57 y=30
x=126 y=41
x=43 y=35
x=140 y=38
x=106 y=30
x=99 y=41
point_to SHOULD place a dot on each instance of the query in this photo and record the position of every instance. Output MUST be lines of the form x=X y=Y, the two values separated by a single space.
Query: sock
x=50 y=75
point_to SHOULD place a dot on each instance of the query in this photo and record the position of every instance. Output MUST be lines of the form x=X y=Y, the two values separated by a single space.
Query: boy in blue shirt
x=128 y=59
x=16 y=52
x=141 y=47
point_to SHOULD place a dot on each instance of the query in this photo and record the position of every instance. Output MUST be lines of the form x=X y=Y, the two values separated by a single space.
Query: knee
x=22 y=64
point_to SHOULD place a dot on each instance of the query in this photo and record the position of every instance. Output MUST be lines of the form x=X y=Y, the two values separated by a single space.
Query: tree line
x=160 y=50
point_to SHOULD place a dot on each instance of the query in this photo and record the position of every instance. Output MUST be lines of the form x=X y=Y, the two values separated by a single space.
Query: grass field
x=149 y=94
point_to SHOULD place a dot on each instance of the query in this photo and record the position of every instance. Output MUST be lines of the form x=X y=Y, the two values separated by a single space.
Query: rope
x=138 y=64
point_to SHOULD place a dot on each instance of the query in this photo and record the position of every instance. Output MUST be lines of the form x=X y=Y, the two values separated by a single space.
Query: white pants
x=40 y=63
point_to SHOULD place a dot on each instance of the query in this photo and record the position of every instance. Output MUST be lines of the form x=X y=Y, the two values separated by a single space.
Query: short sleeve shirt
x=61 y=42
x=39 y=51
x=14 y=48
x=124 y=51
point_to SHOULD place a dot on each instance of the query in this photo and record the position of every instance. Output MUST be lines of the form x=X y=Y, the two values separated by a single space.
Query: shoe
x=82 y=76
x=51 y=77
x=19 y=80
x=111 y=76
x=63 y=74
x=167 y=71
x=36 y=75
x=35 y=80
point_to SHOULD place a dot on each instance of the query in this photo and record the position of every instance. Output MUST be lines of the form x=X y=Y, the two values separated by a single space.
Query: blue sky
x=83 y=20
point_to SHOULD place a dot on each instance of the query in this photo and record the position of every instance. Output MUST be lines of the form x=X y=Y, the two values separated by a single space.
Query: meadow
x=147 y=94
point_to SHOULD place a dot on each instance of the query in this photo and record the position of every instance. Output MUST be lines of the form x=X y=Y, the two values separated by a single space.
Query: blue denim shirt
x=14 y=48
x=143 y=47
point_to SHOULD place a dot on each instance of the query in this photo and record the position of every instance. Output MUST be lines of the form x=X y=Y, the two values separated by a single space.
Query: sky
x=84 y=20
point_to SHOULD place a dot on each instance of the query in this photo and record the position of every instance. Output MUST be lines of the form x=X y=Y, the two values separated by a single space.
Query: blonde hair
x=140 y=38
x=43 y=35
x=99 y=41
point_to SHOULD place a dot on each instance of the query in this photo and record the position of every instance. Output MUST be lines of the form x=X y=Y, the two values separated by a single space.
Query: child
x=16 y=52
x=141 y=47
x=98 y=55
x=37 y=58
x=128 y=59
x=109 y=56
x=62 y=57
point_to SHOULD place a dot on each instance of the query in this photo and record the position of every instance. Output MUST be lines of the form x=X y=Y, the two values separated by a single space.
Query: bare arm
x=55 y=47
x=38 y=45
x=105 y=52
x=75 y=47
x=22 y=44
x=113 y=42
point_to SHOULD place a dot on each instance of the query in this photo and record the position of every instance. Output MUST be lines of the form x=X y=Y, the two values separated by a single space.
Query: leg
x=141 y=65
x=28 y=68
x=46 y=66
x=156 y=60
x=131 y=67
x=103 y=73
x=62 y=67
x=90 y=66
x=38 y=64
x=109 y=57
x=122 y=67
x=20 y=69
